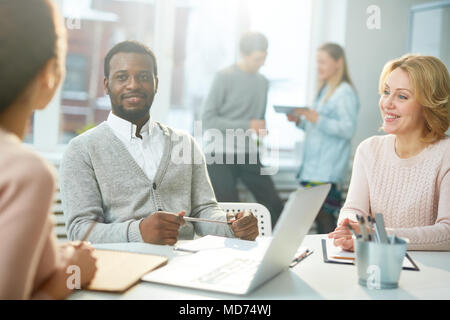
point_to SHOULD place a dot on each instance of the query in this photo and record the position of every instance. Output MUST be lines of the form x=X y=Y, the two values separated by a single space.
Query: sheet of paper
x=252 y=249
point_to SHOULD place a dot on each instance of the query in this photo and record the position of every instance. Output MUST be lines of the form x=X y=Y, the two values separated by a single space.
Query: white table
x=310 y=279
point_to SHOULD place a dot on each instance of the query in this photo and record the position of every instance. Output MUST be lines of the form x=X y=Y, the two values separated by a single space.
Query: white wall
x=368 y=50
x=328 y=24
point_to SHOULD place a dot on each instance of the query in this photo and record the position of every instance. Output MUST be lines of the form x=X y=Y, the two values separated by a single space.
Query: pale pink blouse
x=413 y=194
x=28 y=252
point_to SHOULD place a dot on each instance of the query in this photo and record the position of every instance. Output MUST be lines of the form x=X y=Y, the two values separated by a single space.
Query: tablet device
x=288 y=109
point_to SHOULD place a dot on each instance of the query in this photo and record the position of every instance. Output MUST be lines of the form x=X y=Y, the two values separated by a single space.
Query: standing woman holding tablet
x=329 y=127
x=32 y=63
x=405 y=175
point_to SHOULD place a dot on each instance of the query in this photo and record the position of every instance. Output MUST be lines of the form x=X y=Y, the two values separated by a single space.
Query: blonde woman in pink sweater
x=32 y=59
x=405 y=175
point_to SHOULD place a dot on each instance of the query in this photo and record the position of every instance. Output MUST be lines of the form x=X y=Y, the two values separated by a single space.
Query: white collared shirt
x=148 y=151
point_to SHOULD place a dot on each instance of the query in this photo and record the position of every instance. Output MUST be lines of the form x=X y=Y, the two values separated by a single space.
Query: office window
x=75 y=84
x=193 y=39
x=94 y=26
x=206 y=40
x=288 y=30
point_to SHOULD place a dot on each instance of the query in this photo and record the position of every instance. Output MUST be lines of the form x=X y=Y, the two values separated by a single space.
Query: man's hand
x=245 y=226
x=161 y=227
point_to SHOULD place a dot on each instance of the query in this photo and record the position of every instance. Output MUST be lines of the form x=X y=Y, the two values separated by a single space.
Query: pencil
x=343 y=258
x=205 y=220
x=88 y=232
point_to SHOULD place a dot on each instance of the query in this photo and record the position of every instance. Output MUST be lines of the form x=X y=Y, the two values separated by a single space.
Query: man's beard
x=131 y=115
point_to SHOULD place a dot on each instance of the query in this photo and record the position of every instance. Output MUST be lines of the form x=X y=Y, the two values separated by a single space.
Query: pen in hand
x=86 y=235
x=205 y=220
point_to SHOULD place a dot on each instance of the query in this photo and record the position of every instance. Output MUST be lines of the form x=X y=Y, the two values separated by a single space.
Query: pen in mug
x=362 y=226
x=368 y=228
x=382 y=235
x=372 y=229
x=349 y=227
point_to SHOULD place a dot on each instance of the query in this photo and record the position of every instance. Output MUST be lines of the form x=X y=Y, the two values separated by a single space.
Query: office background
x=193 y=39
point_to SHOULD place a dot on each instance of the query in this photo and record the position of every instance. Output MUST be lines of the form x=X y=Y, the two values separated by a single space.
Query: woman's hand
x=310 y=115
x=342 y=235
x=293 y=117
x=70 y=254
x=83 y=257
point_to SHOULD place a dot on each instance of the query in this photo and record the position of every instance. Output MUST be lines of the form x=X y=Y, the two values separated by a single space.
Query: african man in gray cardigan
x=103 y=180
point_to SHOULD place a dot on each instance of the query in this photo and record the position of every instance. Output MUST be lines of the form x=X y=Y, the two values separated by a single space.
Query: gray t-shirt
x=235 y=98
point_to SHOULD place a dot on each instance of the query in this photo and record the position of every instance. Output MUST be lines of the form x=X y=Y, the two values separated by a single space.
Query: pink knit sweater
x=412 y=194
x=28 y=251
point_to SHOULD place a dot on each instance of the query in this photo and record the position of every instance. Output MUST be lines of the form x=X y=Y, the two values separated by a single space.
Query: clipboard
x=413 y=266
x=117 y=271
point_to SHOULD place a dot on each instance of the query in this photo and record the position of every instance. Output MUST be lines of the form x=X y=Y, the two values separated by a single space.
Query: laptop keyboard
x=233 y=271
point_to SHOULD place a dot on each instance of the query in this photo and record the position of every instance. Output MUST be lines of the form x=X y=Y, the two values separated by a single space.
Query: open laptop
x=236 y=271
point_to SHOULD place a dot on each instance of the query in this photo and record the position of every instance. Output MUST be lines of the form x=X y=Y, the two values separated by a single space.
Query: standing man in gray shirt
x=125 y=174
x=237 y=102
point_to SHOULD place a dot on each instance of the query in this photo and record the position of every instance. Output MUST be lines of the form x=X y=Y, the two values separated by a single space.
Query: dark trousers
x=327 y=217
x=224 y=178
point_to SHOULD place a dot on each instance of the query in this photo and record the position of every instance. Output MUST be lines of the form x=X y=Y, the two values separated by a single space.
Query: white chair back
x=260 y=212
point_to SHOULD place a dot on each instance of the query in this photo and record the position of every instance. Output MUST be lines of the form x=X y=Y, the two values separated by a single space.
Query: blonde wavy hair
x=430 y=82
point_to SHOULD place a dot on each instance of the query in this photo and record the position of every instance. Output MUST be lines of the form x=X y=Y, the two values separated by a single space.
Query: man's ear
x=156 y=83
x=105 y=85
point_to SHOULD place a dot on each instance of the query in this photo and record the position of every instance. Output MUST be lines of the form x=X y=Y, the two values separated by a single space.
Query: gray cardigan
x=101 y=181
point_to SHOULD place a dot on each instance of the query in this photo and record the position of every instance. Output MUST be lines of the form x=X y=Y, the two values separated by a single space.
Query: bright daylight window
x=205 y=40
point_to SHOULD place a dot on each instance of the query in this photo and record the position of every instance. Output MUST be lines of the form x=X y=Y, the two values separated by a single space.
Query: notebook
x=333 y=254
x=117 y=271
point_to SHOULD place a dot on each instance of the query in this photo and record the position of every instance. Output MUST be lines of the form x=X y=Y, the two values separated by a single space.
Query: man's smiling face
x=131 y=85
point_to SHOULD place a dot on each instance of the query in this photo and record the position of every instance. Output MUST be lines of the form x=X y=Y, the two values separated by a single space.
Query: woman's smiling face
x=400 y=111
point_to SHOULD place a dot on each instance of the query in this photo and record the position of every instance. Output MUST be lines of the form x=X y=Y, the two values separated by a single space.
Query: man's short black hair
x=129 y=46
x=253 y=41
